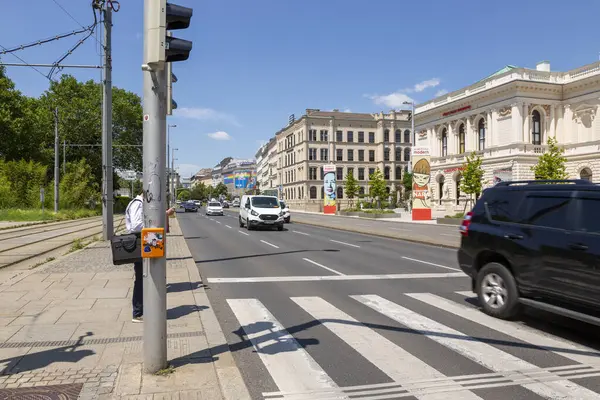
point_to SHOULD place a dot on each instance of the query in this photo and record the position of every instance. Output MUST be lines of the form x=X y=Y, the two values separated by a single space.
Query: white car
x=214 y=208
x=258 y=211
x=287 y=217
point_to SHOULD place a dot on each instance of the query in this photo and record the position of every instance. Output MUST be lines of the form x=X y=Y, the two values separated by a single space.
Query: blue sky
x=256 y=62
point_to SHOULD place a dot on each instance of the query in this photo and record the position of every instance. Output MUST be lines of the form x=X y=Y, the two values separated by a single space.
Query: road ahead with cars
x=317 y=313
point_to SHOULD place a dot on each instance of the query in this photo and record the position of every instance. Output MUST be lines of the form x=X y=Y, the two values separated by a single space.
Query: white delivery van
x=259 y=210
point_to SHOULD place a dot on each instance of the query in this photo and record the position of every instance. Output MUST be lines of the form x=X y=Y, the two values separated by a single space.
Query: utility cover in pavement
x=55 y=392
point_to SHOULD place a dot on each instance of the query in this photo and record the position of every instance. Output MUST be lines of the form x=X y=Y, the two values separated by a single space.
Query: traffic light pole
x=155 y=281
x=107 y=170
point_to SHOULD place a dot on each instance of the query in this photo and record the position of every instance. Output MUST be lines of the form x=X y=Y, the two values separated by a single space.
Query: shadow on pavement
x=182 y=311
x=262 y=255
x=183 y=286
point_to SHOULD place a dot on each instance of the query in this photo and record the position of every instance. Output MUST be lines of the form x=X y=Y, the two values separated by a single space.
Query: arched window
x=407 y=154
x=398 y=154
x=406 y=136
x=386 y=173
x=444 y=143
x=398 y=173
x=536 y=132
x=398 y=135
x=461 y=139
x=386 y=135
x=386 y=154
x=313 y=192
x=340 y=192
x=481 y=130
x=457 y=187
x=586 y=174
x=440 y=187
x=361 y=190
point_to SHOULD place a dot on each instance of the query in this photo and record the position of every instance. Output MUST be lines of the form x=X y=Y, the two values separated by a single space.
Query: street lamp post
x=172 y=181
x=168 y=155
x=412 y=124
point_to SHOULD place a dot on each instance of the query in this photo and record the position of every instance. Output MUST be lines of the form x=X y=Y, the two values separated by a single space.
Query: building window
x=386 y=154
x=371 y=172
x=313 y=192
x=398 y=173
x=350 y=171
x=398 y=154
x=322 y=173
x=312 y=154
x=386 y=135
x=586 y=174
x=312 y=135
x=340 y=192
x=406 y=136
x=444 y=143
x=461 y=139
x=371 y=155
x=361 y=191
x=361 y=137
x=339 y=155
x=322 y=192
x=386 y=173
x=350 y=136
x=361 y=155
x=339 y=173
x=339 y=136
x=481 y=130
x=361 y=174
x=537 y=127
x=440 y=187
x=371 y=137
x=398 y=136
x=457 y=188
x=312 y=173
x=323 y=154
x=350 y=155
x=407 y=154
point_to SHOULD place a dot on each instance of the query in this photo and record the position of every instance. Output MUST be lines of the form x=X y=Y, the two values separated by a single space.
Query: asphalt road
x=316 y=313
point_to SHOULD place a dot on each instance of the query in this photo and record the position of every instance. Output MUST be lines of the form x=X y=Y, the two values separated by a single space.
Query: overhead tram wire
x=26 y=63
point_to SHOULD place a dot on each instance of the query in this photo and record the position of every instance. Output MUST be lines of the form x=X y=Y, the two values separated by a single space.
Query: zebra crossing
x=298 y=376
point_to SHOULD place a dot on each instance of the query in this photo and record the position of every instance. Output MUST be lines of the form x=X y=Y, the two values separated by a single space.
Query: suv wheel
x=497 y=291
x=241 y=223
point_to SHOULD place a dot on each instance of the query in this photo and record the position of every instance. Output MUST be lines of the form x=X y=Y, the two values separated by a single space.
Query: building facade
x=507 y=119
x=266 y=166
x=204 y=176
x=356 y=143
x=239 y=176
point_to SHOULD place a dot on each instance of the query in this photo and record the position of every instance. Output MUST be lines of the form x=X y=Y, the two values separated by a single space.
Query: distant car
x=225 y=204
x=214 y=208
x=236 y=203
x=263 y=211
x=287 y=217
x=189 y=206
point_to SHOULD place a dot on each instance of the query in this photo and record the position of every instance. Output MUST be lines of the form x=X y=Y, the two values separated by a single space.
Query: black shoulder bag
x=127 y=248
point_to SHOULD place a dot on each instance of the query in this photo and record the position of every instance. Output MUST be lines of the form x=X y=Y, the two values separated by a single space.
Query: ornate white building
x=507 y=119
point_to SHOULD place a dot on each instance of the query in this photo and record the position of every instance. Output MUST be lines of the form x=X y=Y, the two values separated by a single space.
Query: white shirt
x=134 y=215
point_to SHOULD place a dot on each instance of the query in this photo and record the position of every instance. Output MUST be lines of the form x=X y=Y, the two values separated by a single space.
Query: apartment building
x=356 y=143
x=266 y=165
x=507 y=118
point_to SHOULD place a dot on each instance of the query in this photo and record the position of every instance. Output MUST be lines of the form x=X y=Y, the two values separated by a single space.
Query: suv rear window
x=503 y=205
x=213 y=204
x=549 y=209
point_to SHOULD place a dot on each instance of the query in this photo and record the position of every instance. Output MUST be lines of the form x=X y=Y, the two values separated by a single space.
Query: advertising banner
x=228 y=179
x=245 y=180
x=421 y=190
x=329 y=189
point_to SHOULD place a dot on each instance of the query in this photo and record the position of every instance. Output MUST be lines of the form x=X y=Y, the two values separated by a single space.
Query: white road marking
x=430 y=263
x=270 y=244
x=482 y=353
x=228 y=226
x=344 y=243
x=322 y=266
x=244 y=233
x=218 y=222
x=260 y=279
x=400 y=229
x=291 y=367
x=394 y=361
x=301 y=233
x=450 y=234
x=211 y=219
x=565 y=348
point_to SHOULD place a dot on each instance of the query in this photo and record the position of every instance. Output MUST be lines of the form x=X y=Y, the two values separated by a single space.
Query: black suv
x=535 y=243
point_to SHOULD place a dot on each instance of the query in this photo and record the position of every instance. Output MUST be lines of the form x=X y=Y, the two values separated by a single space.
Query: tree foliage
x=407 y=184
x=377 y=186
x=472 y=175
x=20 y=184
x=77 y=188
x=351 y=187
x=551 y=164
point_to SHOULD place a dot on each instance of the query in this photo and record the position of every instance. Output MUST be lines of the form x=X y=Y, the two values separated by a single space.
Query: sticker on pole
x=153 y=242
x=146 y=117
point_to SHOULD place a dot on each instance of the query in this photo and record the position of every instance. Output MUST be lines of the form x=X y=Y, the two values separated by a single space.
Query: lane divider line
x=344 y=243
x=243 y=233
x=270 y=244
x=228 y=226
x=323 y=266
x=218 y=222
x=301 y=233
x=430 y=263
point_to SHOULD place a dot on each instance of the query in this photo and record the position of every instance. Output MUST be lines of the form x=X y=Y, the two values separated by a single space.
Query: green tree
x=472 y=175
x=407 y=184
x=551 y=164
x=184 y=195
x=219 y=190
x=377 y=186
x=351 y=188
x=77 y=187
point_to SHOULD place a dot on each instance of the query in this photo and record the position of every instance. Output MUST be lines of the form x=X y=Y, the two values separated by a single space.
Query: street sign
x=42 y=196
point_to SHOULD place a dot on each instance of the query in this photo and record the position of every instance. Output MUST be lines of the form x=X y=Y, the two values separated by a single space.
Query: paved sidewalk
x=66 y=328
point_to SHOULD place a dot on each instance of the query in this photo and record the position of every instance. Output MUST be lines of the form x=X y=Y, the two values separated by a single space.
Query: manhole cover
x=55 y=392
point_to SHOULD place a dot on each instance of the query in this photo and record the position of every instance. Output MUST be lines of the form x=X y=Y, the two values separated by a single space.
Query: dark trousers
x=138 y=290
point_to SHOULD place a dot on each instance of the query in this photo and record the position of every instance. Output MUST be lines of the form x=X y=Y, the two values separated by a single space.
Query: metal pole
x=56 y=160
x=172 y=170
x=107 y=170
x=170 y=197
x=155 y=287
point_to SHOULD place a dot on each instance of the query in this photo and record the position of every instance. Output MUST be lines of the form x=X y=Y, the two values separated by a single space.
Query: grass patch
x=29 y=215
x=166 y=371
x=375 y=211
x=77 y=245
x=457 y=215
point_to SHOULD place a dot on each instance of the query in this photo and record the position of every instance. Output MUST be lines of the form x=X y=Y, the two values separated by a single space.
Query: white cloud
x=441 y=92
x=392 y=100
x=220 y=135
x=429 y=83
x=205 y=114
x=347 y=110
x=187 y=170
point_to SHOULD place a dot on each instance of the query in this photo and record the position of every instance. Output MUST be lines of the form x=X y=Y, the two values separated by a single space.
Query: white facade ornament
x=584 y=110
x=505 y=111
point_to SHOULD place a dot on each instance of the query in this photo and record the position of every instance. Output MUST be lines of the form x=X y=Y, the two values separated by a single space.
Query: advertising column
x=329 y=189
x=421 y=192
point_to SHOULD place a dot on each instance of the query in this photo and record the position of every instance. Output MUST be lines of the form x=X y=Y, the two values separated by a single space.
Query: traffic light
x=160 y=47
x=171 y=78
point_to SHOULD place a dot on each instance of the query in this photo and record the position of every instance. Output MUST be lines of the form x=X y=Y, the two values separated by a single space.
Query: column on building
x=469 y=136
x=526 y=124
x=331 y=140
x=560 y=129
x=490 y=125
x=570 y=135
x=553 y=120
x=450 y=140
x=517 y=122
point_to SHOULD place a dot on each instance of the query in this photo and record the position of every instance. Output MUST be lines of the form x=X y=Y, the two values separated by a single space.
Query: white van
x=258 y=211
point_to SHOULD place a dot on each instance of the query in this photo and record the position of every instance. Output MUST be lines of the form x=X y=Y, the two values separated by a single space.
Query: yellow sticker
x=153 y=242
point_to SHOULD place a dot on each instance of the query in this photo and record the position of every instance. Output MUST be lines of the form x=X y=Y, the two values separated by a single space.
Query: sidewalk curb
x=230 y=379
x=378 y=234
x=398 y=220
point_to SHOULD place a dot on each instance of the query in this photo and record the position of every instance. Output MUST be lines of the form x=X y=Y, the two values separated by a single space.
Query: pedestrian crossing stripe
x=299 y=377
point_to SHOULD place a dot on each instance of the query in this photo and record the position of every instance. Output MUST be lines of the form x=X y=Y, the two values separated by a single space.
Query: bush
x=20 y=183
x=376 y=211
x=458 y=215
x=15 y=214
x=121 y=203
x=77 y=187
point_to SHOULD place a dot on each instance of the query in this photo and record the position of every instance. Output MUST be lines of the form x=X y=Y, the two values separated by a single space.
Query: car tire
x=240 y=221
x=280 y=228
x=495 y=282
x=248 y=225
x=287 y=221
